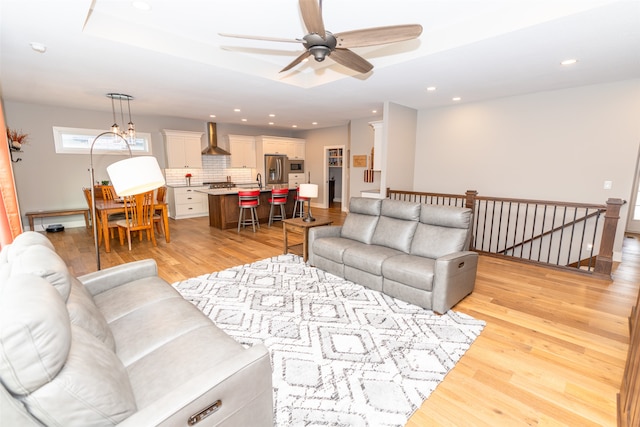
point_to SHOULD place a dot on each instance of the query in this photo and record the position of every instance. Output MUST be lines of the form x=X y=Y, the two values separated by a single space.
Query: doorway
x=633 y=221
x=334 y=176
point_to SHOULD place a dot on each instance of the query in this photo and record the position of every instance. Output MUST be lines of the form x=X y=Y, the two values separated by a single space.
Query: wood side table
x=302 y=227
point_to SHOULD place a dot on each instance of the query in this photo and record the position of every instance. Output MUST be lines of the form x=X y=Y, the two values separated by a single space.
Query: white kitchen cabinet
x=295 y=179
x=184 y=149
x=297 y=150
x=293 y=148
x=186 y=202
x=243 y=151
x=274 y=146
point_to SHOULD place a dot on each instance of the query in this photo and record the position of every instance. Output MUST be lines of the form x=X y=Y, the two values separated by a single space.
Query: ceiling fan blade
x=270 y=39
x=296 y=61
x=377 y=35
x=312 y=17
x=351 y=60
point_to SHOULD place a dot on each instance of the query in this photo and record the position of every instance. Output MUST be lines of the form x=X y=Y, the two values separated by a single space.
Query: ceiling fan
x=321 y=43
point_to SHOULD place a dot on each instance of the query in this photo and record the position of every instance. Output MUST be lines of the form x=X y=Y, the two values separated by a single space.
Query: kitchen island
x=224 y=210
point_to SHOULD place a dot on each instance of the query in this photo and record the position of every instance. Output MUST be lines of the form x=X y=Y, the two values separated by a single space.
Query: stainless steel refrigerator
x=275 y=169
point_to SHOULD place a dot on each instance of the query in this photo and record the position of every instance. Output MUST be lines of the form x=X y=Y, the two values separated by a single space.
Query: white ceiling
x=174 y=63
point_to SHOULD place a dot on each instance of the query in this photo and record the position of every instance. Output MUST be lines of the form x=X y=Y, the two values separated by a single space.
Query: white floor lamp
x=309 y=191
x=129 y=176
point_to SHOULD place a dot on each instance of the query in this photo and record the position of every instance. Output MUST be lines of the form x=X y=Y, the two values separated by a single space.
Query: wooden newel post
x=604 y=259
x=470 y=202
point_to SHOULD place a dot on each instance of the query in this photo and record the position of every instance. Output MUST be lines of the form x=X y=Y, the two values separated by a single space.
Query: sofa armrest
x=112 y=277
x=454 y=278
x=319 y=232
x=242 y=384
x=324 y=231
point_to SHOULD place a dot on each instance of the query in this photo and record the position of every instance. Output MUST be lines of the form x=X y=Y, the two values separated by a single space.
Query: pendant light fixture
x=130 y=132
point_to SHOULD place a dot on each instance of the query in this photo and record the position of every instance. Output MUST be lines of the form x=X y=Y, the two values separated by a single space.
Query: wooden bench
x=60 y=212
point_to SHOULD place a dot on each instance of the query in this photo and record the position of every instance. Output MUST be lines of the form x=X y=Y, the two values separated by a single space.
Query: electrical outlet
x=608 y=185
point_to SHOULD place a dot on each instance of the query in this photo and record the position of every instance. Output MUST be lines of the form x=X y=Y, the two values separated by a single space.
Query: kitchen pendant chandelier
x=130 y=132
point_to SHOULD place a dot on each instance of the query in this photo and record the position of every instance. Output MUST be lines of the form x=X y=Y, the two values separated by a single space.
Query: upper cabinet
x=297 y=149
x=293 y=148
x=184 y=149
x=243 y=151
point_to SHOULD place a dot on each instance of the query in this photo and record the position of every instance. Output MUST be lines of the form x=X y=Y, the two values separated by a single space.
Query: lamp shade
x=309 y=190
x=135 y=175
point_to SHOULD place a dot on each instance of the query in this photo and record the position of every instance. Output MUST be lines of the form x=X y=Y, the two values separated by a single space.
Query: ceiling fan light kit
x=320 y=43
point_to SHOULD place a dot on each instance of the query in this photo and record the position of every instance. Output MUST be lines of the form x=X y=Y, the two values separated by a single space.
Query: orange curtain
x=10 y=225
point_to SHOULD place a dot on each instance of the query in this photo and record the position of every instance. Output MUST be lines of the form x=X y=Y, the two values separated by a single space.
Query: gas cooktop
x=223 y=184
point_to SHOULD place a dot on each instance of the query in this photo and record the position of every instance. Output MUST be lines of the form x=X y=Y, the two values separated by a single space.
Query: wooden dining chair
x=111 y=224
x=108 y=192
x=157 y=215
x=138 y=211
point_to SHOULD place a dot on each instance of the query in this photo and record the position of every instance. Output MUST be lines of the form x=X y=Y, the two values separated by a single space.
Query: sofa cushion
x=365 y=206
x=397 y=223
x=35 y=333
x=446 y=216
x=414 y=271
x=361 y=222
x=333 y=248
x=24 y=241
x=42 y=261
x=399 y=209
x=442 y=230
x=84 y=313
x=368 y=258
x=91 y=389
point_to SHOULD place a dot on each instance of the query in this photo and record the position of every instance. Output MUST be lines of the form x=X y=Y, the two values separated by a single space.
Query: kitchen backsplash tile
x=214 y=169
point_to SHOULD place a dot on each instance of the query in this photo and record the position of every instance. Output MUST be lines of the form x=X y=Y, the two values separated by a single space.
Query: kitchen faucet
x=259 y=179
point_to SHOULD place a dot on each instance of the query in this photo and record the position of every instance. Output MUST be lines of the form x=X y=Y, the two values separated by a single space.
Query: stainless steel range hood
x=212 y=138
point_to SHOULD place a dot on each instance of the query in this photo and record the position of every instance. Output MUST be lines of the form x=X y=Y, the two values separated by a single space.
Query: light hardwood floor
x=552 y=353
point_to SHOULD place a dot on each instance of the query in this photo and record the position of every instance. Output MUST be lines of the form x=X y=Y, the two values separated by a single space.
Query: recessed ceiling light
x=38 y=47
x=431 y=88
x=141 y=5
x=271 y=123
x=374 y=111
x=569 y=61
x=314 y=123
x=272 y=115
x=457 y=98
x=237 y=110
x=294 y=126
x=213 y=116
x=244 y=120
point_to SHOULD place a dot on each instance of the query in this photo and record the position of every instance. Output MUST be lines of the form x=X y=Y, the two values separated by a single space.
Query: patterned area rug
x=342 y=355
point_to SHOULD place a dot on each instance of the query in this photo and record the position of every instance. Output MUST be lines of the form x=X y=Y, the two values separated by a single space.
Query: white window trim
x=105 y=145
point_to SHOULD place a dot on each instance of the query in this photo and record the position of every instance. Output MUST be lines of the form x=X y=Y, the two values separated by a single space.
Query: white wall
x=559 y=145
x=400 y=124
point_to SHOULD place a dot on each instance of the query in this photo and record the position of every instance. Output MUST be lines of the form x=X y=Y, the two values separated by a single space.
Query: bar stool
x=278 y=198
x=248 y=200
x=299 y=201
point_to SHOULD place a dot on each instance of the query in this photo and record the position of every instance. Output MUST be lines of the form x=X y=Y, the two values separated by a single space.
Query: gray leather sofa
x=415 y=252
x=117 y=347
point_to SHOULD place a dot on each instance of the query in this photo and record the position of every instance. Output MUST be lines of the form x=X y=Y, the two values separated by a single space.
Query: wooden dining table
x=104 y=208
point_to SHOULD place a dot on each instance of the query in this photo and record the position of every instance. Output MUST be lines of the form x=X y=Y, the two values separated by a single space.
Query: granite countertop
x=234 y=190
x=184 y=185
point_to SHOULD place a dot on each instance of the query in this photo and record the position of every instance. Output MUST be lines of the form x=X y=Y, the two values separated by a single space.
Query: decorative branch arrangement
x=16 y=139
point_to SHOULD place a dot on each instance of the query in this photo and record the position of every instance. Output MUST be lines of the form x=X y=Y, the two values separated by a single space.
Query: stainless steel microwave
x=295 y=166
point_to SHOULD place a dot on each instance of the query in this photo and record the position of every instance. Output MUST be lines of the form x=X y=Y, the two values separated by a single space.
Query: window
x=78 y=141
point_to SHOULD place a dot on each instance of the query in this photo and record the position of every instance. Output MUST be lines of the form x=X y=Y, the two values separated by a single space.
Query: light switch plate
x=608 y=185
